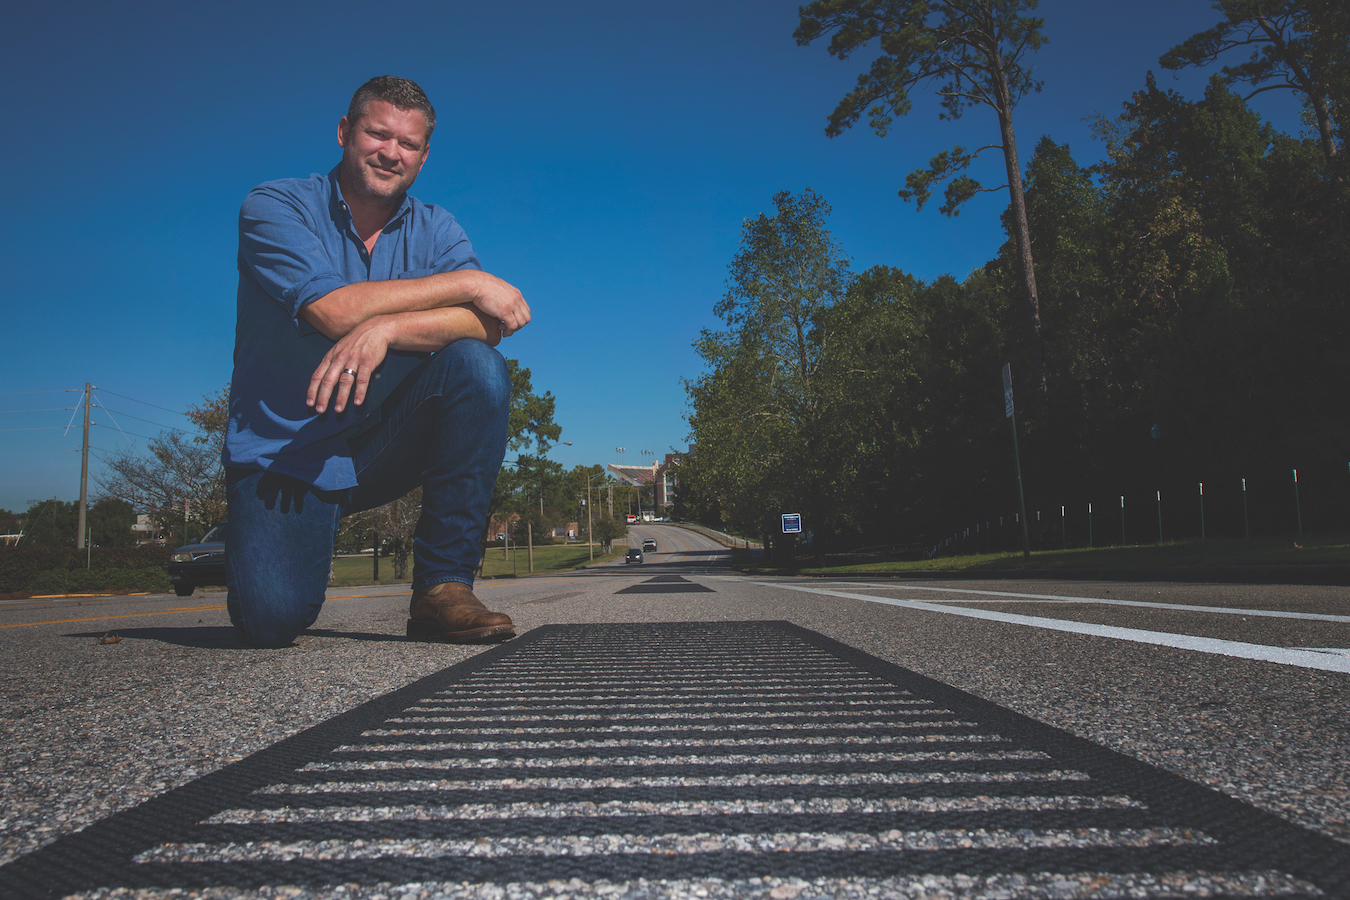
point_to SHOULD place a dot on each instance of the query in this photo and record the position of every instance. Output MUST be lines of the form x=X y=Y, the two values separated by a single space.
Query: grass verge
x=354 y=570
x=1274 y=551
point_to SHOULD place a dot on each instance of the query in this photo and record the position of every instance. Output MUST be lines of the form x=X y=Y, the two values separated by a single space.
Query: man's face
x=382 y=151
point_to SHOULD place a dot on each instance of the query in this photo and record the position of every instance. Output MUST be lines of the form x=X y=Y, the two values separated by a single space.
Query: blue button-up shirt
x=296 y=244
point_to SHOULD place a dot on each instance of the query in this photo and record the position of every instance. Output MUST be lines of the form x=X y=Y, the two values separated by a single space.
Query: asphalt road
x=1245 y=689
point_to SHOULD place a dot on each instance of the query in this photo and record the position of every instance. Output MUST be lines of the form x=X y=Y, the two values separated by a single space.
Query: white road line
x=621 y=809
x=1307 y=659
x=1184 y=607
x=668 y=844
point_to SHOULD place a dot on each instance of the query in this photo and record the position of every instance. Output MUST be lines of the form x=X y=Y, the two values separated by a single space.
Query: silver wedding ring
x=351 y=372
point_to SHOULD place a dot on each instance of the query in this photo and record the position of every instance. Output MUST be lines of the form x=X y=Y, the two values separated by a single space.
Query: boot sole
x=432 y=632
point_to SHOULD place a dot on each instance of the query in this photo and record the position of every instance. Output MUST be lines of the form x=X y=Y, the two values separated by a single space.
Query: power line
x=146 y=436
x=142 y=402
x=146 y=421
x=38 y=428
x=49 y=409
x=66 y=391
x=31 y=452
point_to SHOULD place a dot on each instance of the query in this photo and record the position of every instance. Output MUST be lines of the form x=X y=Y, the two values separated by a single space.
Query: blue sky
x=600 y=155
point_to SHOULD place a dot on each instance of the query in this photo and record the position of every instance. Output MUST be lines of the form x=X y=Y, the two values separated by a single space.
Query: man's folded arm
x=363 y=349
x=336 y=313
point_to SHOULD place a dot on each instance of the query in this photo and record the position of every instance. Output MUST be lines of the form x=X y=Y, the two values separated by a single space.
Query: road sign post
x=1017 y=461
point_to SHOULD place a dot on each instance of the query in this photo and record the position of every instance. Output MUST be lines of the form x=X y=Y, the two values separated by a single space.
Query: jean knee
x=271 y=611
x=278 y=552
x=475 y=366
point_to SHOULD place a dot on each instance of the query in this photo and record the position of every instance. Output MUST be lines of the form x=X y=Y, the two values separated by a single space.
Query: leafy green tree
x=764 y=403
x=1297 y=45
x=109 y=521
x=876 y=401
x=608 y=529
x=179 y=468
x=50 y=523
x=532 y=526
x=973 y=52
x=530 y=423
x=960 y=458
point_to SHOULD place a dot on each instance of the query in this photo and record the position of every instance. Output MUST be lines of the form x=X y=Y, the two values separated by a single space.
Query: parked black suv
x=197 y=565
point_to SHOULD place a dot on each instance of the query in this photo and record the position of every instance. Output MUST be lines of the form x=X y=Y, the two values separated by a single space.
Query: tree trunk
x=1031 y=303
x=1316 y=99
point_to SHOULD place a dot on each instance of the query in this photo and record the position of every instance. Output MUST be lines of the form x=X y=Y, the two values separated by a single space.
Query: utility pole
x=1017 y=461
x=84 y=472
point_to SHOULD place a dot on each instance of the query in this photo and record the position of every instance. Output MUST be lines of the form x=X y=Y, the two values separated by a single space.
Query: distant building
x=667 y=479
x=662 y=477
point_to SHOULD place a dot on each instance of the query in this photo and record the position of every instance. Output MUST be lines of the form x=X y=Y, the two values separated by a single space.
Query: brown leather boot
x=449 y=612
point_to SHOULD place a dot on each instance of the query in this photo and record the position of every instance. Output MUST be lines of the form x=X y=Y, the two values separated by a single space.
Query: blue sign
x=792 y=523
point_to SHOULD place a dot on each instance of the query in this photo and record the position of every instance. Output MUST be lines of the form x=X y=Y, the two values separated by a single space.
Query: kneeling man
x=364 y=366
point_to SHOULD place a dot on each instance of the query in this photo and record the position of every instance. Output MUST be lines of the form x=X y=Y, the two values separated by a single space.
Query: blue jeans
x=444 y=428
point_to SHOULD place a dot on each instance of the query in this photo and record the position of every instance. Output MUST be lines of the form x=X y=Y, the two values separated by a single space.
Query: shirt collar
x=339 y=209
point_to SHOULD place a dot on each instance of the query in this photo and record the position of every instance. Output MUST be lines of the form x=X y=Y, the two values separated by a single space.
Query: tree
x=876 y=401
x=607 y=529
x=50 y=523
x=530 y=422
x=10 y=522
x=759 y=414
x=180 y=470
x=1297 y=45
x=110 y=521
x=397 y=521
x=972 y=51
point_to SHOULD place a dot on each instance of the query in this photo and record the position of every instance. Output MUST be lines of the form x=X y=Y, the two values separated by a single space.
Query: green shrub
x=52 y=570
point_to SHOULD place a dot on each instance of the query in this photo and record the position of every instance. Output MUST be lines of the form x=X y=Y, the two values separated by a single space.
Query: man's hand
x=502 y=302
x=344 y=373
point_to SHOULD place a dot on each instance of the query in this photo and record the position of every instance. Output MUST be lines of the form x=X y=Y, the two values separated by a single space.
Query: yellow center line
x=364 y=596
x=222 y=606
x=99 y=596
x=124 y=616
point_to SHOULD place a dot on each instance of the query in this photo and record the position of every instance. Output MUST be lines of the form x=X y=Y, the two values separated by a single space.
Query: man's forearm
x=427 y=331
x=338 y=312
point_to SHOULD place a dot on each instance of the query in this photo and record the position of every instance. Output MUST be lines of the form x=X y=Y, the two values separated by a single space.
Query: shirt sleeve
x=280 y=247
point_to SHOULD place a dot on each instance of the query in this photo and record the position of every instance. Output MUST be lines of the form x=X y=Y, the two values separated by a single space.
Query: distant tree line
x=1193 y=326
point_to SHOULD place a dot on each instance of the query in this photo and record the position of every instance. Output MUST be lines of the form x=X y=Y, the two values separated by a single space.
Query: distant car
x=631 y=519
x=197 y=565
x=634 y=556
x=649 y=544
